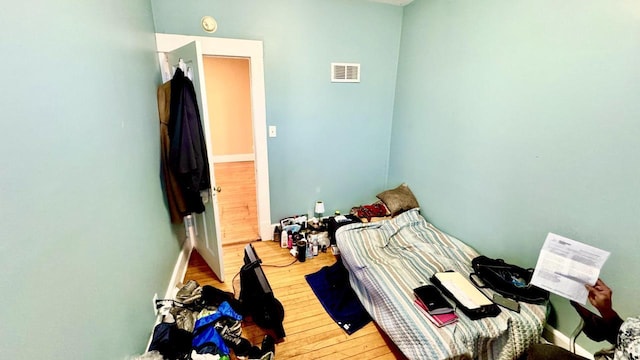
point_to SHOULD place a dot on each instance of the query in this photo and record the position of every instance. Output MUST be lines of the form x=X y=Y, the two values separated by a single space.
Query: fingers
x=598 y=284
x=601 y=285
x=599 y=296
x=598 y=287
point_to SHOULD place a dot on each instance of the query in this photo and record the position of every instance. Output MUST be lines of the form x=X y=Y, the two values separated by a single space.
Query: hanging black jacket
x=188 y=151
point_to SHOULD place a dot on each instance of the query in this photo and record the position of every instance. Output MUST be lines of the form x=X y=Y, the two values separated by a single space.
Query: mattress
x=386 y=260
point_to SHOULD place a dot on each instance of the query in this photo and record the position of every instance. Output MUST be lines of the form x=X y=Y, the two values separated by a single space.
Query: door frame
x=253 y=50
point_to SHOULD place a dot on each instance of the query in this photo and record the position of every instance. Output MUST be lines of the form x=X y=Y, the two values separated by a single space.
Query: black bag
x=333 y=225
x=508 y=280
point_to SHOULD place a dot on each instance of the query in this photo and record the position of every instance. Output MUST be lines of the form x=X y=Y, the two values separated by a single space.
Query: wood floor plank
x=311 y=333
x=237 y=202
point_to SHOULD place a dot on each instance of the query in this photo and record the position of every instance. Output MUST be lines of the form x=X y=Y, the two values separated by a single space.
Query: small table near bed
x=387 y=259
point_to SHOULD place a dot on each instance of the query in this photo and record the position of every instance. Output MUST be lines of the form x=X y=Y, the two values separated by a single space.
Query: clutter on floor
x=204 y=322
x=305 y=238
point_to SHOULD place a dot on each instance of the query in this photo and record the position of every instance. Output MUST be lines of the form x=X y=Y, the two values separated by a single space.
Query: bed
x=387 y=259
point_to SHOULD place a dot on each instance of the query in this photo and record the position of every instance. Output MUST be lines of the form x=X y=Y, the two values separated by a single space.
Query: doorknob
x=218 y=189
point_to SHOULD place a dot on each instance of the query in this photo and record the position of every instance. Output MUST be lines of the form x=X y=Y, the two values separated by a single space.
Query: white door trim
x=253 y=50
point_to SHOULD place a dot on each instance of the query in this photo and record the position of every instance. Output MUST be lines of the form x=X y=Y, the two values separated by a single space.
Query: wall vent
x=343 y=72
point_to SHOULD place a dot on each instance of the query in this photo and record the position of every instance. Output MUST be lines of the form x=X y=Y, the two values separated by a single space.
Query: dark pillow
x=399 y=199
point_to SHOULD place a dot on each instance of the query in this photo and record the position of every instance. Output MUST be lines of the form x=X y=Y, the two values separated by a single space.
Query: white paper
x=565 y=266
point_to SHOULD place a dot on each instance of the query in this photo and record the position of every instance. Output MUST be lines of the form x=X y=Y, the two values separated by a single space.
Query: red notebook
x=440 y=319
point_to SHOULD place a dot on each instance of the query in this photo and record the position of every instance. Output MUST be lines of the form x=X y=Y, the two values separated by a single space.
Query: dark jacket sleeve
x=188 y=153
x=598 y=329
x=175 y=200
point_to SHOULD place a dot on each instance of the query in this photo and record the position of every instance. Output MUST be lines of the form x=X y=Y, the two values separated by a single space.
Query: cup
x=302 y=250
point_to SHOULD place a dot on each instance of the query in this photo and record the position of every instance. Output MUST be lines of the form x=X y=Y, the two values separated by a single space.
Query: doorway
x=228 y=89
x=234 y=48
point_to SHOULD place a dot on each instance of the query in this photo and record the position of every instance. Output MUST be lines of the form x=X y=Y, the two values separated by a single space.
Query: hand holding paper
x=600 y=297
x=565 y=266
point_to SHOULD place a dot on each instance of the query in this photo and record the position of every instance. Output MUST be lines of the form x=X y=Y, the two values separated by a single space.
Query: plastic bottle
x=309 y=252
x=284 y=239
x=290 y=240
x=314 y=246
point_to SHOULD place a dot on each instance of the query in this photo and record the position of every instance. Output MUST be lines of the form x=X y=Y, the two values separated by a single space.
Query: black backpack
x=508 y=280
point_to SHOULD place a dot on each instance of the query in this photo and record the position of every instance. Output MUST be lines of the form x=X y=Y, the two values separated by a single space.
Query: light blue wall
x=333 y=139
x=85 y=239
x=518 y=118
x=512 y=119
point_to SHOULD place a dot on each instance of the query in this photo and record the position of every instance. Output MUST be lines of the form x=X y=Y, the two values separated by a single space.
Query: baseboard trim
x=177 y=277
x=271 y=231
x=555 y=337
x=179 y=270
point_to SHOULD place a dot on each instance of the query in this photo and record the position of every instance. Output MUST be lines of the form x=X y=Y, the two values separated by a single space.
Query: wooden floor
x=237 y=202
x=311 y=333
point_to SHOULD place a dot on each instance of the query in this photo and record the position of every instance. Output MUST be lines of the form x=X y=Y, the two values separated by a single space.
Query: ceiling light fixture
x=209 y=24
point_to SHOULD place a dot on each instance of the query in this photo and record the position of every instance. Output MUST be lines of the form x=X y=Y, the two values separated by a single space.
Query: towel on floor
x=332 y=288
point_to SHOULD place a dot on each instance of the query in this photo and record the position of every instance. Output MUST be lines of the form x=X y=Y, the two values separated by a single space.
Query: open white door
x=207 y=233
x=251 y=49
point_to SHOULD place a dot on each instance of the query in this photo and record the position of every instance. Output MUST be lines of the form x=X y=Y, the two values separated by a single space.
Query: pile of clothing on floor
x=203 y=322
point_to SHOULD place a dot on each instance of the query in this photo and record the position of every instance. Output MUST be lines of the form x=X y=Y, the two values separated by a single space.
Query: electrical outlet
x=155 y=308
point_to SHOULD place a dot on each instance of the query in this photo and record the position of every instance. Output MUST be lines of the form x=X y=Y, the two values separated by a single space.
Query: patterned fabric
x=370 y=211
x=628 y=347
x=388 y=259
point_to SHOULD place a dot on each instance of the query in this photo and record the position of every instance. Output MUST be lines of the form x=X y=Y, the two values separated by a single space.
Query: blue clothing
x=205 y=334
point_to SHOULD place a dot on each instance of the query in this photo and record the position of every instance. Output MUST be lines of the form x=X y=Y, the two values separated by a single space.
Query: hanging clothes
x=175 y=199
x=187 y=151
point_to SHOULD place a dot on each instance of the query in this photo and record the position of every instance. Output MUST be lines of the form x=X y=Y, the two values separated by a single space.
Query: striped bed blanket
x=386 y=260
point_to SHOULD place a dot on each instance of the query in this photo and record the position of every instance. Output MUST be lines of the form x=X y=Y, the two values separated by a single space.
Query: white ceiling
x=394 y=2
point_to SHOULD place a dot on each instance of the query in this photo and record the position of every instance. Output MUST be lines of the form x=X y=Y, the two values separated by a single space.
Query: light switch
x=272 y=131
